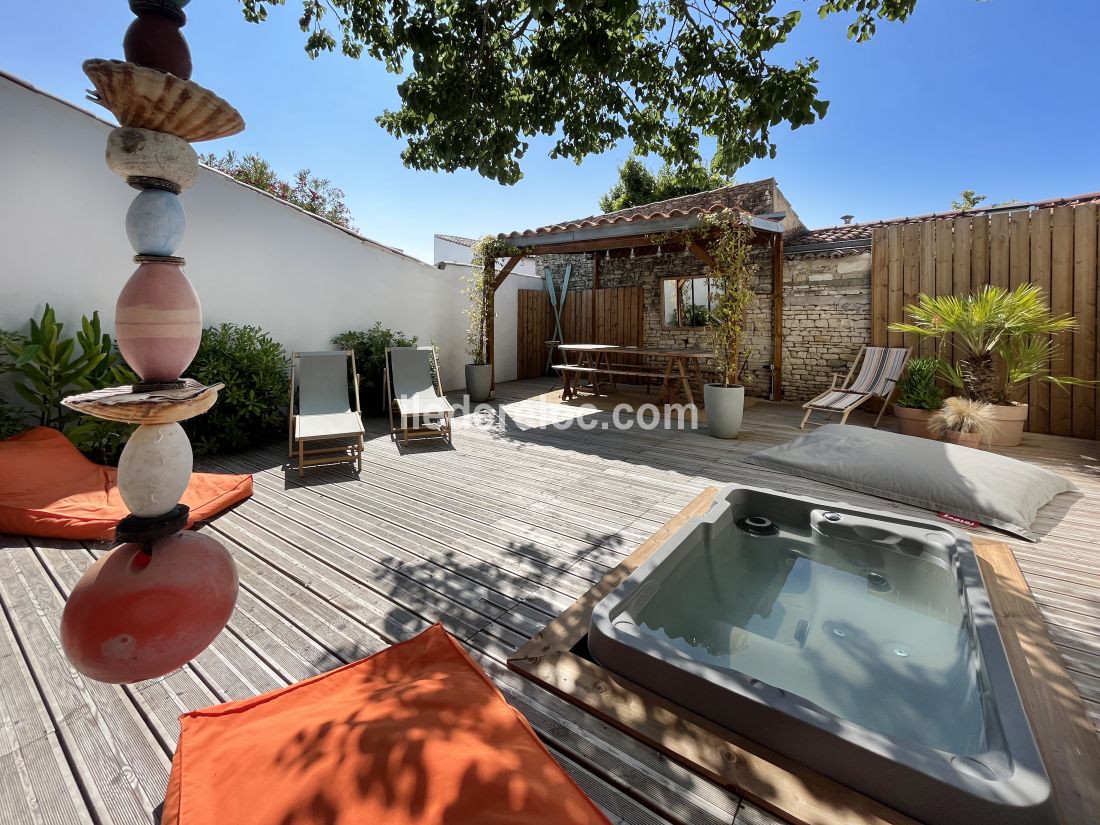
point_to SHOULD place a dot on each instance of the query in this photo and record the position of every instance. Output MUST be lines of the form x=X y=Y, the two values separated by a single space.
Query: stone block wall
x=827 y=311
x=826 y=319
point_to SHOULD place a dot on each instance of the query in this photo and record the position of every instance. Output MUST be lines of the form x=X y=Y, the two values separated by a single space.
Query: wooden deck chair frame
x=859 y=397
x=411 y=425
x=328 y=454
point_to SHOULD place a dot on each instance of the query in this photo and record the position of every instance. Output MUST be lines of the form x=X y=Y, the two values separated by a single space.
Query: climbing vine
x=479 y=290
x=729 y=243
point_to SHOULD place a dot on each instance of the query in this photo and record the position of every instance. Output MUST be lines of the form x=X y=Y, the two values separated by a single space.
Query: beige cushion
x=330 y=425
x=424 y=406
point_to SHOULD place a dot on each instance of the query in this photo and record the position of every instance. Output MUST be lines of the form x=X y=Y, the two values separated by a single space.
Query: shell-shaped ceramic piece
x=158 y=321
x=155 y=222
x=154 y=469
x=143 y=153
x=150 y=99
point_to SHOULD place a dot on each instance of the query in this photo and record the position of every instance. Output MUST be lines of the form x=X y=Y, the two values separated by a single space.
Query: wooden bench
x=615 y=370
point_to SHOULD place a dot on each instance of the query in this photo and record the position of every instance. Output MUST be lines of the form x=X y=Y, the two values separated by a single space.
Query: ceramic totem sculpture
x=162 y=595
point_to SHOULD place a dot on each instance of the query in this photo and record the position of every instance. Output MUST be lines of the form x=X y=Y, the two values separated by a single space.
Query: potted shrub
x=480 y=291
x=1004 y=338
x=732 y=295
x=918 y=397
x=964 y=421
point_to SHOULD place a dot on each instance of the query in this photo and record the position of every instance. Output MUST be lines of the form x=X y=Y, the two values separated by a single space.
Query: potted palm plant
x=1004 y=337
x=918 y=397
x=964 y=421
x=732 y=294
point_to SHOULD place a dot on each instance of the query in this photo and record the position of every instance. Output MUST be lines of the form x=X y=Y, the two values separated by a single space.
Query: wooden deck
x=493 y=538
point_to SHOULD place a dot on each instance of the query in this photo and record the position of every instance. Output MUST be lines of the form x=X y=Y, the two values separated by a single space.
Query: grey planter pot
x=479 y=382
x=725 y=409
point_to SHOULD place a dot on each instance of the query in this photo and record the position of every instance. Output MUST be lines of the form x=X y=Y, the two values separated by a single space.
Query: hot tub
x=857 y=642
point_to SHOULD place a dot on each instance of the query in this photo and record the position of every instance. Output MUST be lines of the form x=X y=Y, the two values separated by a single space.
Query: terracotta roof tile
x=856 y=232
x=754 y=198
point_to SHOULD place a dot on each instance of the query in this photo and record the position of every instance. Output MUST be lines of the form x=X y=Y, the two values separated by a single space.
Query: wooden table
x=595 y=360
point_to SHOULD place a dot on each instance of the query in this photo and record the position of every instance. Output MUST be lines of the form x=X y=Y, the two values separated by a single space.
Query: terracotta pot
x=158 y=321
x=135 y=616
x=913 y=421
x=156 y=42
x=1011 y=419
x=963 y=439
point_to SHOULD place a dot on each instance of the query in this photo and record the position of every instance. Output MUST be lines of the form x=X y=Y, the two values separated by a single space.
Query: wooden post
x=777 y=315
x=490 y=326
x=595 y=286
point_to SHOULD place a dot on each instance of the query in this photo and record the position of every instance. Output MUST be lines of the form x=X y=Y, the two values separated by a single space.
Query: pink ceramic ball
x=134 y=616
x=158 y=321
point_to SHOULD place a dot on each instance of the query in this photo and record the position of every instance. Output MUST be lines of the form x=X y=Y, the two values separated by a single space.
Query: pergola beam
x=777 y=315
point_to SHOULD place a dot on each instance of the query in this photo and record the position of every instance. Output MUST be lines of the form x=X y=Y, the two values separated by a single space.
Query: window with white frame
x=686 y=302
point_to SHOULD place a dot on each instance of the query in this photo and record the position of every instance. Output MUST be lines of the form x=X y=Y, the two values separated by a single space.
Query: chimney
x=847 y=219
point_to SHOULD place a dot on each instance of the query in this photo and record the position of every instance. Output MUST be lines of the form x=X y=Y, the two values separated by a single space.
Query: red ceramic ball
x=135 y=616
x=158 y=321
x=156 y=41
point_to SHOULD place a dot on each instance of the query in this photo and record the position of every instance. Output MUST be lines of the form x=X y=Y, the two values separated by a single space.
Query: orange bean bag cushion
x=414 y=735
x=48 y=489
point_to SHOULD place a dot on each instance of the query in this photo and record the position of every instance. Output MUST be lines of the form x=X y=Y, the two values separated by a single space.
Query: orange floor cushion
x=48 y=489
x=414 y=735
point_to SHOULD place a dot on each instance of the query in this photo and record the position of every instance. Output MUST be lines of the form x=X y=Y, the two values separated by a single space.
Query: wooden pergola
x=636 y=238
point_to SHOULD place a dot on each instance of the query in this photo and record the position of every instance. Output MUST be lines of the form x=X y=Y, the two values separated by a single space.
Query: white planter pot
x=479 y=382
x=725 y=408
x=1010 y=424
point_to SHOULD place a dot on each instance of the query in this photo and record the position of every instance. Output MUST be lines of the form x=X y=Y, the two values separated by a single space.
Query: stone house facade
x=826 y=284
x=826 y=310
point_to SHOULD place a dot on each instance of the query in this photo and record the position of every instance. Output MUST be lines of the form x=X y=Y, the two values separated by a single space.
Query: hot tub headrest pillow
x=975 y=484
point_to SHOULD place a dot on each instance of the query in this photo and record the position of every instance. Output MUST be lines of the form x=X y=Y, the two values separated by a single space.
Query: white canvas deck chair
x=879 y=371
x=415 y=396
x=324 y=412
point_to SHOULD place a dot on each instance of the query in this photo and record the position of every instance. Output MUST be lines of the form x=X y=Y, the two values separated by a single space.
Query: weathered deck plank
x=493 y=538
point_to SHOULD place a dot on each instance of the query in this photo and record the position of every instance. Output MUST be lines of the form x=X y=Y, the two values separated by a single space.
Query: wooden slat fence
x=590 y=316
x=1054 y=248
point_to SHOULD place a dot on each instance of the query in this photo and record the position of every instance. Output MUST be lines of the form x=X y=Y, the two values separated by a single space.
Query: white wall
x=448 y=251
x=252 y=259
x=507 y=315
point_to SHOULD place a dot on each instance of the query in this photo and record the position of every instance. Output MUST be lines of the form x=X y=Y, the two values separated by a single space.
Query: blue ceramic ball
x=155 y=222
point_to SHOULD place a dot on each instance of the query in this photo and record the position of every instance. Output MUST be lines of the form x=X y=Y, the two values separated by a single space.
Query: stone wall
x=826 y=319
x=826 y=316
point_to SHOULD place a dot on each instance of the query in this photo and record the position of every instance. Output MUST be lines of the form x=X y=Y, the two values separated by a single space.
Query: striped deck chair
x=879 y=371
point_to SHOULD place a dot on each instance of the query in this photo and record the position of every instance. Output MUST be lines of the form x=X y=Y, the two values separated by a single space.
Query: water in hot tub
x=870 y=633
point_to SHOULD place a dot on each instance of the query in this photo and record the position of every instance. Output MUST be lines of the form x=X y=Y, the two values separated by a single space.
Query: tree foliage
x=313 y=194
x=484 y=77
x=968 y=199
x=637 y=185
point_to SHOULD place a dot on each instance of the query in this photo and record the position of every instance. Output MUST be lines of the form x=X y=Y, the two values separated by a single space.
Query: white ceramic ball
x=155 y=222
x=154 y=469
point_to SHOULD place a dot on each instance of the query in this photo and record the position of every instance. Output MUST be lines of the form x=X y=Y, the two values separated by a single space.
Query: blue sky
x=997 y=96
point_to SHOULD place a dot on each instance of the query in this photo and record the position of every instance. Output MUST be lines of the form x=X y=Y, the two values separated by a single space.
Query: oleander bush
x=369 y=347
x=252 y=408
x=47 y=366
